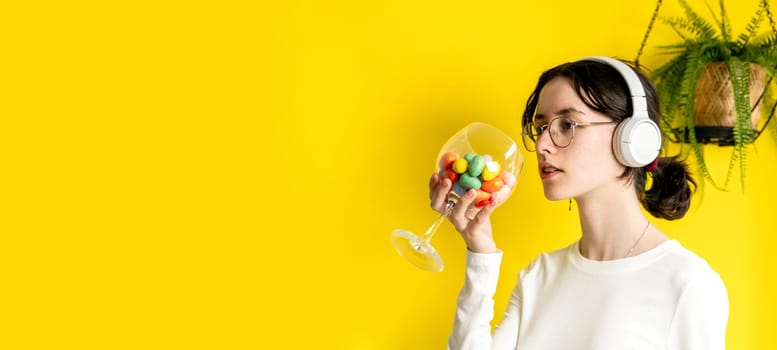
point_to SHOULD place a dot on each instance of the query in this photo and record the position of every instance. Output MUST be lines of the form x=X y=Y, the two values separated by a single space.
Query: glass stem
x=433 y=229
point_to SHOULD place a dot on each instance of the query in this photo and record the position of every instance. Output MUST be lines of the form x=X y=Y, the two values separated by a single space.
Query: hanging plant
x=713 y=87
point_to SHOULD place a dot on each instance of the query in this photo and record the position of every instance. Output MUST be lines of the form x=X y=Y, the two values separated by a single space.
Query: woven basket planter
x=714 y=103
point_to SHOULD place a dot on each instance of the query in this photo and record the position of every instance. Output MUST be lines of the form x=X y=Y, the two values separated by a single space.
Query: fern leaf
x=764 y=53
x=701 y=26
x=677 y=27
x=752 y=27
x=691 y=76
x=725 y=24
x=666 y=77
x=743 y=133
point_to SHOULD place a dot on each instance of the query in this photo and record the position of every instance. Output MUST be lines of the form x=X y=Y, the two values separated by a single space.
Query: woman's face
x=587 y=165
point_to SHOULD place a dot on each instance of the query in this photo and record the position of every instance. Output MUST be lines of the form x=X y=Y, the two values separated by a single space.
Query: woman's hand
x=473 y=223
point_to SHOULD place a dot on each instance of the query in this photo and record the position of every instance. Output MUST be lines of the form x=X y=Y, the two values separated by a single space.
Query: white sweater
x=665 y=298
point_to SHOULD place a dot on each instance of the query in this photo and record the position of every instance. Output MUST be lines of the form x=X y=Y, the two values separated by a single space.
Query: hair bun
x=669 y=197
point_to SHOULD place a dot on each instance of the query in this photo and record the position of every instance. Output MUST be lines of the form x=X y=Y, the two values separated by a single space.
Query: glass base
x=416 y=250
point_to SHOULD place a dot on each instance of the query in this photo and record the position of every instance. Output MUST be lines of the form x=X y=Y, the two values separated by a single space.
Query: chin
x=555 y=195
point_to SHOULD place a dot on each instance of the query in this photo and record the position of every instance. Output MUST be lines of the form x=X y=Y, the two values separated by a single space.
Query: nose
x=544 y=142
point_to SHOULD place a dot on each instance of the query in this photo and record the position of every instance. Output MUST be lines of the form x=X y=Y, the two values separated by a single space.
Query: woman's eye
x=567 y=124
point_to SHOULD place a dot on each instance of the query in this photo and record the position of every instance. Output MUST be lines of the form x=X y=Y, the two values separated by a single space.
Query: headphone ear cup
x=636 y=142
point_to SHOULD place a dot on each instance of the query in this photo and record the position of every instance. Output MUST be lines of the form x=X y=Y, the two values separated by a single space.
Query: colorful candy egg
x=493 y=185
x=476 y=165
x=482 y=198
x=458 y=189
x=468 y=181
x=491 y=170
x=450 y=174
x=460 y=165
x=447 y=159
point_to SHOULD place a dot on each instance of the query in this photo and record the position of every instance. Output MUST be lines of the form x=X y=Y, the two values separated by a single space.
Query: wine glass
x=478 y=156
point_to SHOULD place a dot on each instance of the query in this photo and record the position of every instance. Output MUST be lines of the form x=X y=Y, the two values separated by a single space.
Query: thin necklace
x=637 y=242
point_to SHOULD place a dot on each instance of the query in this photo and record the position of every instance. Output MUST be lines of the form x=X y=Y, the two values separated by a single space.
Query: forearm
x=475 y=304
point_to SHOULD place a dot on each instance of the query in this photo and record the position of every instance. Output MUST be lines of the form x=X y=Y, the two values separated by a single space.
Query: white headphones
x=637 y=139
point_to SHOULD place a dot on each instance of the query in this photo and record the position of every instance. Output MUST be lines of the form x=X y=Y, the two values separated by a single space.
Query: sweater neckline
x=619 y=265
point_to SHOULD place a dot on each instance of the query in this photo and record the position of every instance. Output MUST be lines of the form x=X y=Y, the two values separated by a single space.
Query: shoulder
x=702 y=308
x=700 y=289
x=690 y=270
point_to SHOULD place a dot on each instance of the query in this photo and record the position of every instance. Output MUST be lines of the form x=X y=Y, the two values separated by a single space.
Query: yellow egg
x=460 y=165
x=491 y=170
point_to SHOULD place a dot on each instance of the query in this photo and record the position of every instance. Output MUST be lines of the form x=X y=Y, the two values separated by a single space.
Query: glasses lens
x=562 y=130
x=530 y=135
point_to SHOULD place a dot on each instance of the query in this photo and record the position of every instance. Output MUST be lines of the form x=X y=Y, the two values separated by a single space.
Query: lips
x=548 y=170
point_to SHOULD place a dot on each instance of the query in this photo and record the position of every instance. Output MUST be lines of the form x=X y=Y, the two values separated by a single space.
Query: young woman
x=624 y=284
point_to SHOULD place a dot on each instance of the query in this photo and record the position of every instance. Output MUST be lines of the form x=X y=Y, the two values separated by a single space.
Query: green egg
x=469 y=156
x=476 y=166
x=468 y=181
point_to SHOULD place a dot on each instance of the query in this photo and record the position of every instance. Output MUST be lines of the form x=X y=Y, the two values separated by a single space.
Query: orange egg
x=481 y=197
x=447 y=159
x=494 y=185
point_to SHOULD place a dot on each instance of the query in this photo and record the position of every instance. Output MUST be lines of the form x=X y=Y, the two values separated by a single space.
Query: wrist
x=483 y=248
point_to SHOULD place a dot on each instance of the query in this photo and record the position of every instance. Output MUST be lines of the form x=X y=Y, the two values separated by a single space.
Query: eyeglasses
x=561 y=130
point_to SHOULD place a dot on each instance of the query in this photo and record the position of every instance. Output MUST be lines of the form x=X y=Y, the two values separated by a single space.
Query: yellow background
x=224 y=175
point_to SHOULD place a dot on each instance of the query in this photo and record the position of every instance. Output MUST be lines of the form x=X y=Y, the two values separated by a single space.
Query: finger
x=486 y=211
x=440 y=195
x=433 y=182
x=460 y=210
x=472 y=211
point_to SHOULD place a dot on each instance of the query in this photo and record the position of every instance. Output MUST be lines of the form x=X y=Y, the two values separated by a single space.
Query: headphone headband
x=636 y=90
x=637 y=140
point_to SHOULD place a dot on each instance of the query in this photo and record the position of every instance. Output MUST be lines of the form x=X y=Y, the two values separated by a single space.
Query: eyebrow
x=560 y=112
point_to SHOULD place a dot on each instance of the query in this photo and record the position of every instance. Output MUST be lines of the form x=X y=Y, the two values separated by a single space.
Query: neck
x=612 y=226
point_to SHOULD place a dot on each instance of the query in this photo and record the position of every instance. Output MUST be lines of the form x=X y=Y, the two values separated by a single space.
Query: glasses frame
x=573 y=124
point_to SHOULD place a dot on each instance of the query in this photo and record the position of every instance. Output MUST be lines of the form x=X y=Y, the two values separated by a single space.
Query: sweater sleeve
x=701 y=316
x=475 y=308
